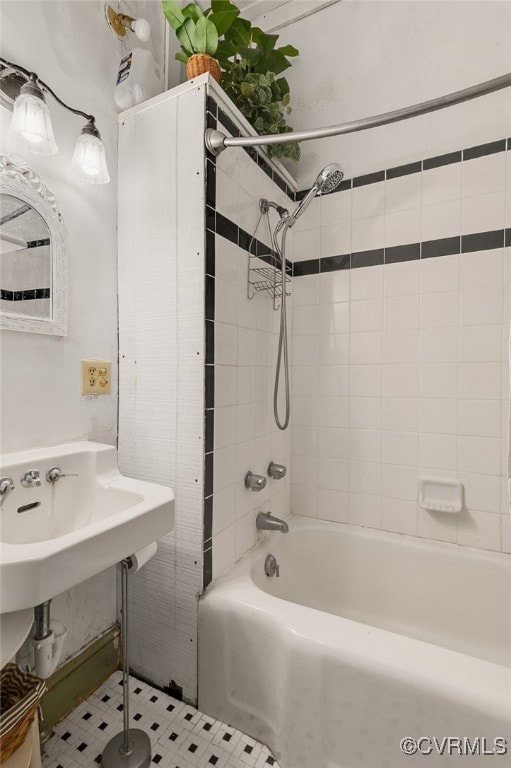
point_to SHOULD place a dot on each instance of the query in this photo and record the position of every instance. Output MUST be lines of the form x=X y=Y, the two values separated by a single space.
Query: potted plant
x=198 y=32
x=251 y=64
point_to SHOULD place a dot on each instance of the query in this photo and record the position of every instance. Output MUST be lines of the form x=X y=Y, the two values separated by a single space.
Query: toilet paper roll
x=140 y=558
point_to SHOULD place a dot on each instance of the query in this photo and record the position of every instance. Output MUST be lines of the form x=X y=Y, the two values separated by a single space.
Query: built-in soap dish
x=441 y=495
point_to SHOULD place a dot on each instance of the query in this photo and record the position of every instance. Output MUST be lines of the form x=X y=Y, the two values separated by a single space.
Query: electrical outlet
x=96 y=375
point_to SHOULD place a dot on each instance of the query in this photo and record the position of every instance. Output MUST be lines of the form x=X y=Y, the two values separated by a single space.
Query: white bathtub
x=366 y=638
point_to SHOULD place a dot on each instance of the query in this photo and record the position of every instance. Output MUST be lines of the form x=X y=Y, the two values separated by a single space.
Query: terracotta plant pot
x=200 y=63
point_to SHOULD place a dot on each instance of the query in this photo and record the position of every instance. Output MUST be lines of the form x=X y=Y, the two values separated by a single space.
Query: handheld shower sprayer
x=326 y=181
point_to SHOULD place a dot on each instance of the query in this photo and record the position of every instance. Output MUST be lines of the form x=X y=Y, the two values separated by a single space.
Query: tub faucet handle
x=254 y=482
x=55 y=473
x=31 y=479
x=6 y=485
x=276 y=471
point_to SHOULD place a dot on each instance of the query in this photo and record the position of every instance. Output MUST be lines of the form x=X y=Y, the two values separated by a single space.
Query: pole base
x=138 y=756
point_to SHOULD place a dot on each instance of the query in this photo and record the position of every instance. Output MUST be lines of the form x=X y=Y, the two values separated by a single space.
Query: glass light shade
x=89 y=160
x=31 y=122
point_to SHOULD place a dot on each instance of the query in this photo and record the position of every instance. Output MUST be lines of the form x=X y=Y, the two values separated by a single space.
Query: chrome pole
x=216 y=141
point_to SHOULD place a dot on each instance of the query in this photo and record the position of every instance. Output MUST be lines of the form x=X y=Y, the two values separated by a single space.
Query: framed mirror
x=32 y=254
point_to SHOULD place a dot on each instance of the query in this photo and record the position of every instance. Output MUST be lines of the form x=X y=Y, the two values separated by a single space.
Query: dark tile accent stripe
x=209 y=430
x=439 y=160
x=397 y=253
x=210 y=183
x=29 y=295
x=307 y=267
x=403 y=170
x=210 y=218
x=445 y=246
x=211 y=105
x=226 y=228
x=209 y=296
x=367 y=258
x=208 y=474
x=482 y=241
x=208 y=521
x=507 y=238
x=345 y=184
x=38 y=243
x=334 y=263
x=210 y=386
x=207 y=568
x=484 y=149
x=509 y=143
x=368 y=178
x=210 y=342
x=210 y=253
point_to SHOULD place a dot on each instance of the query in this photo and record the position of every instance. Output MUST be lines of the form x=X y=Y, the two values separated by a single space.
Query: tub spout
x=266 y=522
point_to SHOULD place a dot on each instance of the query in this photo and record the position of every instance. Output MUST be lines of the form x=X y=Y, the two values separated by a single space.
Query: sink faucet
x=266 y=522
x=31 y=479
x=6 y=485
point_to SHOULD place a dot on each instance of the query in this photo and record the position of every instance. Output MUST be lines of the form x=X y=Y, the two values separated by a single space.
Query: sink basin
x=58 y=534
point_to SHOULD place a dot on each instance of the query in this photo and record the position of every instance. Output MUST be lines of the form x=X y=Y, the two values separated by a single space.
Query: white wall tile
x=226 y=339
x=438 y=415
x=400 y=380
x=305 y=290
x=366 y=315
x=365 y=477
x=365 y=510
x=480 y=381
x=480 y=455
x=225 y=385
x=506 y=533
x=482 y=306
x=366 y=348
x=368 y=200
x=439 y=345
x=333 y=349
x=304 y=380
x=304 y=500
x=367 y=234
x=480 y=343
x=333 y=474
x=336 y=208
x=224 y=467
x=399 y=482
x=225 y=426
x=224 y=551
x=334 y=286
x=483 y=213
x=437 y=525
x=482 y=268
x=365 y=445
x=443 y=183
x=481 y=492
x=365 y=412
x=479 y=529
x=403 y=227
x=333 y=505
x=335 y=240
x=245 y=532
x=224 y=509
x=366 y=380
x=333 y=412
x=306 y=321
x=367 y=283
x=399 y=515
x=441 y=219
x=483 y=174
x=401 y=312
x=402 y=193
x=438 y=451
x=480 y=418
x=438 y=380
x=401 y=278
x=440 y=274
x=439 y=310
x=334 y=380
x=400 y=414
x=305 y=440
x=306 y=245
x=400 y=448
x=401 y=346
x=334 y=318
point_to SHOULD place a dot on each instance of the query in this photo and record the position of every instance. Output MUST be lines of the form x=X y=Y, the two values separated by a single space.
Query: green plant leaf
x=224 y=51
x=219 y=6
x=173 y=13
x=239 y=33
x=186 y=34
x=265 y=41
x=206 y=37
x=193 y=11
x=289 y=50
x=283 y=85
x=223 y=20
x=182 y=57
x=277 y=62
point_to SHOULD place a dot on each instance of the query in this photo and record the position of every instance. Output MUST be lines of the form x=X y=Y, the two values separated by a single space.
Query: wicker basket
x=200 y=63
x=20 y=694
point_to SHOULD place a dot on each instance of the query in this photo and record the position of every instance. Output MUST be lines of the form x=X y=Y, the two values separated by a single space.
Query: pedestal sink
x=54 y=535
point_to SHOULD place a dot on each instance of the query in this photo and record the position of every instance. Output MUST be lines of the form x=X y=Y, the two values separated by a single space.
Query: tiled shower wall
x=241 y=344
x=400 y=347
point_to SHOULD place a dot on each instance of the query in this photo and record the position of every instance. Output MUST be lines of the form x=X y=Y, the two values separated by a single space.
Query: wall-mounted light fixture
x=31 y=123
x=120 y=23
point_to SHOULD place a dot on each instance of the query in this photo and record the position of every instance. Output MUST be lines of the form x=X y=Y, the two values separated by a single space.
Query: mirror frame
x=20 y=181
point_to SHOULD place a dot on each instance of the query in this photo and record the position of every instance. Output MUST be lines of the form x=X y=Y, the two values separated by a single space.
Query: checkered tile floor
x=181 y=736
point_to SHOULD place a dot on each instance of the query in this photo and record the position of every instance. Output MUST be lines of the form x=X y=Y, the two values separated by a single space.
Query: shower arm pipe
x=216 y=141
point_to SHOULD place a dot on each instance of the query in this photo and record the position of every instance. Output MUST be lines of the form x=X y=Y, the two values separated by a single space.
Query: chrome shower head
x=328 y=180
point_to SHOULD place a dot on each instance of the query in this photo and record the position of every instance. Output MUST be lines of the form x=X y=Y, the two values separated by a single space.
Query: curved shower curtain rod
x=216 y=141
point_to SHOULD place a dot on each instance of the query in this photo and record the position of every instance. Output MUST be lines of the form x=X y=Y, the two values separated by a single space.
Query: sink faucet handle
x=6 y=485
x=55 y=473
x=31 y=478
x=276 y=471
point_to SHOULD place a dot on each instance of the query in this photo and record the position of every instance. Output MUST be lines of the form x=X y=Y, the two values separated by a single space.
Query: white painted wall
x=363 y=57
x=71 y=47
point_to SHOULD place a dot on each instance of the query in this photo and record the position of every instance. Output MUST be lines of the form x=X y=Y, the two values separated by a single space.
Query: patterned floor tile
x=181 y=736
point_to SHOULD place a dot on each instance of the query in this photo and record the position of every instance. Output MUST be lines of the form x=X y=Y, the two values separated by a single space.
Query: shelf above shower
x=264 y=274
